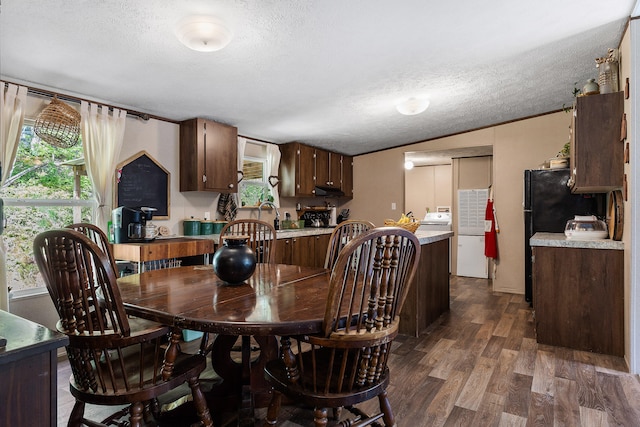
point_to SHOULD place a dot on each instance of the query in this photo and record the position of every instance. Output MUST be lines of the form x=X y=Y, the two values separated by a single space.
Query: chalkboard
x=142 y=182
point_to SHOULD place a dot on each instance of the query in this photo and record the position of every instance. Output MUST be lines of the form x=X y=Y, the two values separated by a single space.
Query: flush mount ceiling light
x=203 y=33
x=412 y=106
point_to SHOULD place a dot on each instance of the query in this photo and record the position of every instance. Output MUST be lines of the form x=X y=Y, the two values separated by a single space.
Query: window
x=254 y=187
x=48 y=188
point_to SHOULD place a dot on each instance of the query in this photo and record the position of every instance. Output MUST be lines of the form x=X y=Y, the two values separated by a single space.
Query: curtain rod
x=143 y=116
x=77 y=100
x=256 y=141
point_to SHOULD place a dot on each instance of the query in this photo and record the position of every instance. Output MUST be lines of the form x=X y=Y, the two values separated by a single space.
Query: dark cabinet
x=28 y=368
x=297 y=168
x=428 y=295
x=328 y=168
x=303 y=167
x=597 y=153
x=347 y=176
x=578 y=298
x=208 y=156
x=306 y=251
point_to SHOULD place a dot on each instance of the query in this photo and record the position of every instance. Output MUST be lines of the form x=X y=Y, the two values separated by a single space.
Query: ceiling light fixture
x=412 y=106
x=203 y=33
x=408 y=165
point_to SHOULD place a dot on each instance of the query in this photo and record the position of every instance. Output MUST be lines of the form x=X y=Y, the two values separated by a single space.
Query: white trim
x=27 y=293
x=634 y=186
x=49 y=202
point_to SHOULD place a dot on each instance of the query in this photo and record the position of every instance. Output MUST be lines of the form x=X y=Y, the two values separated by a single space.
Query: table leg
x=243 y=381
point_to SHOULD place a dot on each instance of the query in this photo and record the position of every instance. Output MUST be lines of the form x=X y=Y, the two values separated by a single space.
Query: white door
x=471 y=259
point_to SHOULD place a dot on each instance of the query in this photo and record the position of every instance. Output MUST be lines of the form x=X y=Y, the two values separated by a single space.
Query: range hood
x=322 y=191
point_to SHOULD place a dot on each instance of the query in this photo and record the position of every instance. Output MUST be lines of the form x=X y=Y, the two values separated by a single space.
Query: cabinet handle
x=230 y=185
x=204 y=178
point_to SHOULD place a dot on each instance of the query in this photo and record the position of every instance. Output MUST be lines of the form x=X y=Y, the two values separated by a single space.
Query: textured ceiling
x=324 y=72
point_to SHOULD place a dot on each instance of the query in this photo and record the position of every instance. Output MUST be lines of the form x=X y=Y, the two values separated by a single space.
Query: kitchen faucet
x=267 y=203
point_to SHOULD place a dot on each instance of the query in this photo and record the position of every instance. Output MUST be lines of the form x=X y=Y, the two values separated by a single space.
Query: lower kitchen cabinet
x=578 y=298
x=307 y=251
x=28 y=368
x=428 y=295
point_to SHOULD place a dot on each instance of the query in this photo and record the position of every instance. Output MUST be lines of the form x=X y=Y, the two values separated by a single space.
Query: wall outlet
x=207 y=215
x=393 y=206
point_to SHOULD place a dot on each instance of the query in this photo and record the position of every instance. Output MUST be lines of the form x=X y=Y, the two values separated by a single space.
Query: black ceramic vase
x=234 y=262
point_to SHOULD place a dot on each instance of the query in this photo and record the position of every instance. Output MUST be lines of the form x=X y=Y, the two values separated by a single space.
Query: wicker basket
x=58 y=124
x=410 y=226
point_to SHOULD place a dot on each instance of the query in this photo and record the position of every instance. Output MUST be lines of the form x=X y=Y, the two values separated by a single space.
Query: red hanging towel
x=490 y=240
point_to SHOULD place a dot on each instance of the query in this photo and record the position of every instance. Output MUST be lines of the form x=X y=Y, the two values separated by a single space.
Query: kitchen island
x=578 y=291
x=428 y=295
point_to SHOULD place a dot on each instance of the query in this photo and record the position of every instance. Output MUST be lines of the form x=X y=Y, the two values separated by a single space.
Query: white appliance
x=471 y=210
x=436 y=221
x=471 y=259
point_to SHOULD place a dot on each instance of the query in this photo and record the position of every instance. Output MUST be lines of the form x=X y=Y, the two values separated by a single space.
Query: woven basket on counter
x=410 y=226
x=58 y=124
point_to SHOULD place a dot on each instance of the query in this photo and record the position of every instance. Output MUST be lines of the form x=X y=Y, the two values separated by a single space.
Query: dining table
x=277 y=300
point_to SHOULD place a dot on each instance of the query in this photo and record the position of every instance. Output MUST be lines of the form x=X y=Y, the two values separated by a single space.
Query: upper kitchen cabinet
x=208 y=156
x=347 y=176
x=297 y=169
x=328 y=168
x=597 y=153
x=303 y=167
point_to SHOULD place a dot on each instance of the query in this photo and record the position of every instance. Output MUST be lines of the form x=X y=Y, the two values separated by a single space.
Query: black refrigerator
x=548 y=205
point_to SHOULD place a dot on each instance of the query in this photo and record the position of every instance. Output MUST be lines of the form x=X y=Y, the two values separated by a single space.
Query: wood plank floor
x=480 y=365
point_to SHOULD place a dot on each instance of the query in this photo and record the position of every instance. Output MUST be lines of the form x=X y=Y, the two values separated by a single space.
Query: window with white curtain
x=46 y=189
x=254 y=187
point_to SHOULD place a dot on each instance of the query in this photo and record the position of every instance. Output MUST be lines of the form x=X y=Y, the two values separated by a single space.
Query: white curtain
x=102 y=136
x=12 y=106
x=273 y=159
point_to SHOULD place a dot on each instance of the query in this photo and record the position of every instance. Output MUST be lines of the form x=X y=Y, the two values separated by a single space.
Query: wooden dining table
x=276 y=300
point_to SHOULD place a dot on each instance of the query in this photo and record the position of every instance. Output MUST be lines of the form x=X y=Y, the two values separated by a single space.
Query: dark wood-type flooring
x=480 y=365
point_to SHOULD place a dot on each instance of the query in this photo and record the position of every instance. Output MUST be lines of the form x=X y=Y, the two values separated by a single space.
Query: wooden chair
x=114 y=360
x=346 y=363
x=343 y=234
x=98 y=237
x=262 y=237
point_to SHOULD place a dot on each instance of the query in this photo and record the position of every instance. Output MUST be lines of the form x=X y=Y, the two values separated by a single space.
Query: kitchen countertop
x=559 y=240
x=425 y=237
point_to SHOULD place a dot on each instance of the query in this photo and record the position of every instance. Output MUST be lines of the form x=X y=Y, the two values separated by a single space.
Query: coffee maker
x=129 y=224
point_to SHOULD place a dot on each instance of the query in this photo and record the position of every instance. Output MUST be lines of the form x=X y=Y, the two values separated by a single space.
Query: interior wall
x=426 y=188
x=162 y=141
x=473 y=173
x=525 y=144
